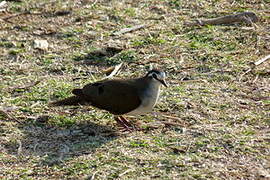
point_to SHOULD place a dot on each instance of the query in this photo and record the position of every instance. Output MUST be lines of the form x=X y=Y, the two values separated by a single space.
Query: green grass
x=223 y=120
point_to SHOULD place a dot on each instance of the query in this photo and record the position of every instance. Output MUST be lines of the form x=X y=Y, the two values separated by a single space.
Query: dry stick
x=253 y=65
x=115 y=70
x=94 y=3
x=262 y=60
x=247 y=17
x=27 y=86
x=256 y=78
x=9 y=116
x=15 y=15
x=93 y=176
x=19 y=150
x=173 y=118
x=126 y=30
x=250 y=69
x=6 y=19
x=125 y=172
x=189 y=81
x=173 y=123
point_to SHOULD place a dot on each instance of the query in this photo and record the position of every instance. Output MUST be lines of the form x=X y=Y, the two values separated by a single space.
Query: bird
x=120 y=97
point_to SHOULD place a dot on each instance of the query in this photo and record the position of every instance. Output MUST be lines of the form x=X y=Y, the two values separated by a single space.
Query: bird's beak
x=162 y=81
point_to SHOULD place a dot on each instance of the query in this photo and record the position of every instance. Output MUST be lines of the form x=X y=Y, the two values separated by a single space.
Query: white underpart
x=148 y=101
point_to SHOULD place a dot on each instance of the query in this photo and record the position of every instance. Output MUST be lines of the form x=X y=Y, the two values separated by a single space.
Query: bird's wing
x=115 y=96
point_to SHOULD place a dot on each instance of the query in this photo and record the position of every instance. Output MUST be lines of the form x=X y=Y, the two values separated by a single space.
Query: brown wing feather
x=115 y=96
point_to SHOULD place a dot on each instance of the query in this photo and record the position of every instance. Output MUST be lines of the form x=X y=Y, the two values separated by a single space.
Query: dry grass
x=225 y=118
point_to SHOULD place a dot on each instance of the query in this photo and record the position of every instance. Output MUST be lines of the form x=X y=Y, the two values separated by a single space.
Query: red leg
x=126 y=124
x=124 y=120
x=132 y=126
x=123 y=123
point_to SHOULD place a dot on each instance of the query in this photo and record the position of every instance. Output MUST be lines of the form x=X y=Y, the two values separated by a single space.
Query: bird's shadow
x=55 y=145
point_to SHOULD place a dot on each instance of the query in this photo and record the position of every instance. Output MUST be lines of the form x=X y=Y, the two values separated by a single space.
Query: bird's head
x=157 y=75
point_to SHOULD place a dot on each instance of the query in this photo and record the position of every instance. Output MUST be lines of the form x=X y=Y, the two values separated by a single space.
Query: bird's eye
x=155 y=76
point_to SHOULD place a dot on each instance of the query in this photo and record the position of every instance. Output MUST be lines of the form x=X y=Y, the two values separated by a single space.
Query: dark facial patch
x=155 y=76
x=153 y=70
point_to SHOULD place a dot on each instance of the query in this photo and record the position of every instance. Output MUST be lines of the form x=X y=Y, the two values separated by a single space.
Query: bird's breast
x=149 y=98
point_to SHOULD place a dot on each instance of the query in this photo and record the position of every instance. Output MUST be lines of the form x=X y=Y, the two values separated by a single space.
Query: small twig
x=256 y=78
x=172 y=118
x=189 y=81
x=247 y=17
x=27 y=86
x=94 y=3
x=62 y=152
x=35 y=147
x=7 y=19
x=125 y=172
x=94 y=174
x=249 y=70
x=253 y=65
x=15 y=15
x=126 y=30
x=19 y=150
x=9 y=116
x=171 y=123
x=195 y=80
x=113 y=71
x=262 y=60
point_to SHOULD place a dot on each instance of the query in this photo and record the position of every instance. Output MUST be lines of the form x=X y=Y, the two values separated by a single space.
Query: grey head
x=157 y=76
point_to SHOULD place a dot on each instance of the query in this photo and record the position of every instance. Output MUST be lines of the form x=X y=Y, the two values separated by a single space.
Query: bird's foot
x=125 y=125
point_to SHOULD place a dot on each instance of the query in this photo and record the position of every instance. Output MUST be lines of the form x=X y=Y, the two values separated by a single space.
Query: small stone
x=3 y=6
x=41 y=44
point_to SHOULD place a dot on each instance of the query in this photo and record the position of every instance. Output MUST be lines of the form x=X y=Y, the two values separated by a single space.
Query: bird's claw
x=125 y=125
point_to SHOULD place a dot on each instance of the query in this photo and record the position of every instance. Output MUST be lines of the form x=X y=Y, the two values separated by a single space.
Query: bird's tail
x=70 y=101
